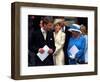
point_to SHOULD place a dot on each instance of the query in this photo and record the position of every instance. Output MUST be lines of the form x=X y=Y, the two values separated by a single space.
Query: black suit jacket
x=68 y=35
x=37 y=41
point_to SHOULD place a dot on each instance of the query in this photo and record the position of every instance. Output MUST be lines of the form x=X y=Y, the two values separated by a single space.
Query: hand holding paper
x=41 y=50
x=44 y=55
x=72 y=56
x=73 y=51
x=46 y=48
x=50 y=51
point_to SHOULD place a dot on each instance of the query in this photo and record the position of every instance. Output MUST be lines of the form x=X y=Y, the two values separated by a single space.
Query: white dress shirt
x=44 y=33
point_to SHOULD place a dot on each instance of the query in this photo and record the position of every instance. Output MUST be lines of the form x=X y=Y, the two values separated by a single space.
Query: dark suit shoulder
x=50 y=32
x=36 y=32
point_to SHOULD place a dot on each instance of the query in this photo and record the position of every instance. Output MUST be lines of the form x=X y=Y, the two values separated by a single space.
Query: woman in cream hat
x=59 y=37
x=76 y=46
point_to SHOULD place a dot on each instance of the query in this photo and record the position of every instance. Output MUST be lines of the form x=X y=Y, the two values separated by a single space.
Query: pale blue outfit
x=79 y=43
x=86 y=48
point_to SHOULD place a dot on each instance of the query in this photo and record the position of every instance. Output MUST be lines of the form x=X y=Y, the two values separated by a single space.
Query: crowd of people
x=67 y=44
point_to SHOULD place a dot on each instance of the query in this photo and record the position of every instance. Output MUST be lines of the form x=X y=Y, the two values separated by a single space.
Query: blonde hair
x=83 y=29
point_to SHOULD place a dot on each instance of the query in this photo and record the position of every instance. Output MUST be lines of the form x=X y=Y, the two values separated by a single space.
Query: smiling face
x=75 y=33
x=57 y=27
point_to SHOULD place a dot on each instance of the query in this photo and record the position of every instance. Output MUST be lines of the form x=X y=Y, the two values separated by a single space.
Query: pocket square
x=50 y=38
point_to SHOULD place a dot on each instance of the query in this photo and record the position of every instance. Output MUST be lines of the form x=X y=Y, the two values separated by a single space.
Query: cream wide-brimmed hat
x=58 y=20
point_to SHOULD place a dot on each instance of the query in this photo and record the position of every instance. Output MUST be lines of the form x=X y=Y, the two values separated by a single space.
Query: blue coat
x=80 y=44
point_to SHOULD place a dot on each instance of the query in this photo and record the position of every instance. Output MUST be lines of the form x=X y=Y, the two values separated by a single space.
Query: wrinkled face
x=57 y=27
x=48 y=26
x=75 y=33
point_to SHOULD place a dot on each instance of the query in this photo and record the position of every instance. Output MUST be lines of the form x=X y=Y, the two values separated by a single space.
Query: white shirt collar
x=43 y=30
x=44 y=33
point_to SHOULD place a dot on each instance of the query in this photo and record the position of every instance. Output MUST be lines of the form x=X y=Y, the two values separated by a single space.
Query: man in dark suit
x=68 y=35
x=40 y=38
x=65 y=28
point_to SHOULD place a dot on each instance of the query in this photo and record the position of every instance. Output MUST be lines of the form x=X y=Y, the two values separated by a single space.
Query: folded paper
x=73 y=51
x=44 y=55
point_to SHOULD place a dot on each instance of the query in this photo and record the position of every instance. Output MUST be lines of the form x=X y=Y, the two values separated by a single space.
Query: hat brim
x=75 y=30
x=57 y=21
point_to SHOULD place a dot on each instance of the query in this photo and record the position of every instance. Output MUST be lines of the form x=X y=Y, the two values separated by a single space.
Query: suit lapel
x=41 y=35
x=47 y=36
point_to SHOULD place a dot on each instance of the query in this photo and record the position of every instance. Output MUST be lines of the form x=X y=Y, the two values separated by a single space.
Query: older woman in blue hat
x=76 y=46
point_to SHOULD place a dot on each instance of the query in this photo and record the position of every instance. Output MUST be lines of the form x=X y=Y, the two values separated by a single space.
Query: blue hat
x=75 y=27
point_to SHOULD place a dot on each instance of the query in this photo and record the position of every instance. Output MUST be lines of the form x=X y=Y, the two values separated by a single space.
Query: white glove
x=72 y=56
